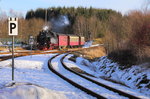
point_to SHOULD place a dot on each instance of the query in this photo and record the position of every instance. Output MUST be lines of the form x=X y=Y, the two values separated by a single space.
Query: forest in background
x=126 y=37
x=81 y=21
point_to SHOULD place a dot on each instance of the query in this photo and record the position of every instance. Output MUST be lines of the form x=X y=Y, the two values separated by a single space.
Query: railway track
x=98 y=83
x=26 y=53
x=93 y=93
x=19 y=54
x=72 y=82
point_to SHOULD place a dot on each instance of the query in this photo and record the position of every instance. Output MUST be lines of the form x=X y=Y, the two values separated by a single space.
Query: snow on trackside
x=71 y=64
x=28 y=91
x=87 y=84
x=5 y=55
x=87 y=44
x=34 y=69
x=135 y=77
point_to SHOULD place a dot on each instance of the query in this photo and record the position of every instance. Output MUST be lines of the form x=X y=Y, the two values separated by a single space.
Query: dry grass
x=98 y=41
x=143 y=55
x=3 y=48
x=7 y=48
x=93 y=52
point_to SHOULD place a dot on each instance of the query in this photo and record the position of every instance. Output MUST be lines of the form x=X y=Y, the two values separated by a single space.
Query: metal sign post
x=13 y=30
x=12 y=57
x=31 y=42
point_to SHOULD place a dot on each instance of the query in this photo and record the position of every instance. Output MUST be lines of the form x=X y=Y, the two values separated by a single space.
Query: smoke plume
x=60 y=23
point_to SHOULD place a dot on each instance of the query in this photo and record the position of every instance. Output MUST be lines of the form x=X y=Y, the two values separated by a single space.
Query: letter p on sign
x=13 y=26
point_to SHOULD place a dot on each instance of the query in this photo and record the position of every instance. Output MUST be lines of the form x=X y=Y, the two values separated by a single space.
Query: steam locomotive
x=48 y=40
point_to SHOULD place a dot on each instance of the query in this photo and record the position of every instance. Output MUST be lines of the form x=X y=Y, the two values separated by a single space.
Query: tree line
x=82 y=20
x=25 y=28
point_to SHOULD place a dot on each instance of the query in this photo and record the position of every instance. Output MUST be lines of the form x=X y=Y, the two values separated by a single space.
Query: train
x=49 y=40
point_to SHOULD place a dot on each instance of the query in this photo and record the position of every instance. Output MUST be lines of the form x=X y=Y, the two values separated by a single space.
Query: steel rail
x=72 y=82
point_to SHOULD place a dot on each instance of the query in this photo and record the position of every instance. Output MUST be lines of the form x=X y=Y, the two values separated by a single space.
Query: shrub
x=130 y=32
x=125 y=58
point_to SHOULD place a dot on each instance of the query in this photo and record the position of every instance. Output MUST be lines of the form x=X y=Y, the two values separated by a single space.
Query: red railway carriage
x=58 y=41
x=62 y=40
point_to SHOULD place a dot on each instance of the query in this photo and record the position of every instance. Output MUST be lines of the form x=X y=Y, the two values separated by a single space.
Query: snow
x=33 y=76
x=28 y=91
x=1 y=44
x=136 y=77
x=95 y=88
x=105 y=82
x=22 y=63
x=87 y=44
x=35 y=70
x=2 y=55
x=71 y=64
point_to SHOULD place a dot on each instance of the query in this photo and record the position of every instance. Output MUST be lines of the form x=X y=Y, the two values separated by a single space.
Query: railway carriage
x=73 y=40
x=62 y=41
x=81 y=40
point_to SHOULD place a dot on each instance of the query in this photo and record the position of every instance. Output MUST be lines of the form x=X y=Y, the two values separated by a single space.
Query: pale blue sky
x=23 y=6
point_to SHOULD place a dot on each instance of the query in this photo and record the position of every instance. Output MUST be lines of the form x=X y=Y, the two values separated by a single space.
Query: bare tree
x=14 y=13
x=146 y=6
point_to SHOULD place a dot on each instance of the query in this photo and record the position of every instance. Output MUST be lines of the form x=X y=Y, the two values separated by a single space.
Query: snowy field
x=43 y=83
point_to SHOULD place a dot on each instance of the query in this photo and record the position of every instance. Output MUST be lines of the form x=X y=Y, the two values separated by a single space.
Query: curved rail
x=72 y=82
x=98 y=83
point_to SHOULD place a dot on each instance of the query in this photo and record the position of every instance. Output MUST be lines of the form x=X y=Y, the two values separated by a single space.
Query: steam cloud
x=60 y=23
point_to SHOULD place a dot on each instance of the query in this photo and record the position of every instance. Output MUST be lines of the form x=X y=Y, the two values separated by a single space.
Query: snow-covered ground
x=3 y=55
x=136 y=77
x=33 y=76
x=28 y=91
x=34 y=69
x=95 y=88
x=89 y=44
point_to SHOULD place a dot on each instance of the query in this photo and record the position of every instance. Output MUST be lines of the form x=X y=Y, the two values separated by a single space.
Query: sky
x=22 y=6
